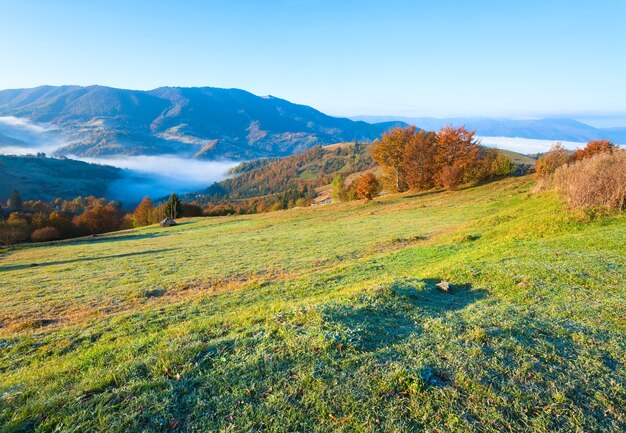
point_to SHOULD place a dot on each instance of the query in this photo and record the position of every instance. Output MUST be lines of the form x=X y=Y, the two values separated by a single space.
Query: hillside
x=39 y=178
x=206 y=122
x=306 y=170
x=325 y=319
x=310 y=170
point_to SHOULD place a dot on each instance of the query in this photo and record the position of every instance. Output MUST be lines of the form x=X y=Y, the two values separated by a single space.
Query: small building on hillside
x=323 y=198
x=167 y=222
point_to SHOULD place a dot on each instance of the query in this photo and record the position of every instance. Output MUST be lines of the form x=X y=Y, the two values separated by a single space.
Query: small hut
x=167 y=222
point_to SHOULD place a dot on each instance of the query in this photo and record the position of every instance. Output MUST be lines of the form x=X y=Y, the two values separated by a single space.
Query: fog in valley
x=157 y=176
x=153 y=176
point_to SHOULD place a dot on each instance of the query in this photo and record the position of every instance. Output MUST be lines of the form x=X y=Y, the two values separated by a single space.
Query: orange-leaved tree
x=368 y=186
x=388 y=152
x=592 y=148
x=457 y=150
x=99 y=219
x=420 y=162
x=143 y=214
x=551 y=160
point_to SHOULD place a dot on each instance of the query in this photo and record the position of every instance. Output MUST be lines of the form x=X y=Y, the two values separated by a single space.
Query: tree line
x=40 y=221
x=414 y=159
x=419 y=160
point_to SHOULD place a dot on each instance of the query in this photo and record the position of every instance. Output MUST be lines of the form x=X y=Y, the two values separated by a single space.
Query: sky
x=444 y=58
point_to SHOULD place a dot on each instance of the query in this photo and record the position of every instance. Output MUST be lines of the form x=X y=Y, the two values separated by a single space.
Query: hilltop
x=325 y=319
x=201 y=122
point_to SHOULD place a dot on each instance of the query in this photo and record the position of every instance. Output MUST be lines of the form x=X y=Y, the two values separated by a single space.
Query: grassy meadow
x=325 y=319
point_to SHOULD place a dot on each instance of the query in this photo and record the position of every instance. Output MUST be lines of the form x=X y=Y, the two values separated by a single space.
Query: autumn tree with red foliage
x=456 y=152
x=423 y=160
x=550 y=161
x=592 y=148
x=368 y=186
x=99 y=219
x=418 y=160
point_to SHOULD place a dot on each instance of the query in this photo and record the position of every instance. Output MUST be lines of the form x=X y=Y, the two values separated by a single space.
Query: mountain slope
x=202 y=122
x=310 y=169
x=325 y=319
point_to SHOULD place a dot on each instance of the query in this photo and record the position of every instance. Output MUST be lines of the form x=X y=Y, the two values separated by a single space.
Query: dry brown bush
x=45 y=234
x=596 y=182
x=556 y=157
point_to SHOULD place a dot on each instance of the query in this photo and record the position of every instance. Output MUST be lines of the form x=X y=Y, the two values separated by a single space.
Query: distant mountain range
x=213 y=124
x=544 y=129
x=208 y=123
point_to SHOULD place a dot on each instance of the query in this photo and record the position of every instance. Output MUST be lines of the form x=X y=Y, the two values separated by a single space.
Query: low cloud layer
x=153 y=176
x=18 y=136
x=157 y=176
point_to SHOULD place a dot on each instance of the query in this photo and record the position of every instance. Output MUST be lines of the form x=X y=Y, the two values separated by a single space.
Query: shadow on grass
x=394 y=313
x=35 y=266
x=112 y=238
x=422 y=193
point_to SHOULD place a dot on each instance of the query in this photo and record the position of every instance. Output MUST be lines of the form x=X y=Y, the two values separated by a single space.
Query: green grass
x=325 y=319
x=518 y=158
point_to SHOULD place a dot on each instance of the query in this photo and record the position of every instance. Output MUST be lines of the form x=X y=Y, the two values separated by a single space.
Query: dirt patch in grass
x=136 y=302
x=397 y=243
x=27 y=324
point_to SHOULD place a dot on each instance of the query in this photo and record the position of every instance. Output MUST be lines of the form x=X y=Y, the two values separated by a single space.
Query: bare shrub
x=13 y=231
x=45 y=234
x=596 y=182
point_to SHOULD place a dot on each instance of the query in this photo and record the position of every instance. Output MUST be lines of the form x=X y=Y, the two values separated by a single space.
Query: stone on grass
x=444 y=286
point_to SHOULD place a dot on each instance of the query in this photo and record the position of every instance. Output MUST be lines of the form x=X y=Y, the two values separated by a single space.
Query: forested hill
x=304 y=172
x=41 y=178
x=206 y=122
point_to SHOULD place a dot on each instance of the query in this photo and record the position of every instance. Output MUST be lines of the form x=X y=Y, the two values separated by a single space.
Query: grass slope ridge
x=325 y=319
x=202 y=122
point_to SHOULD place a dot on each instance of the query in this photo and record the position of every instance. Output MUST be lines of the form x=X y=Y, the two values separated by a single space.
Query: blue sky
x=414 y=58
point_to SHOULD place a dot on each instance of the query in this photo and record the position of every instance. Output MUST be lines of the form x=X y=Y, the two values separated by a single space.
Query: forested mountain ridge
x=202 y=122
